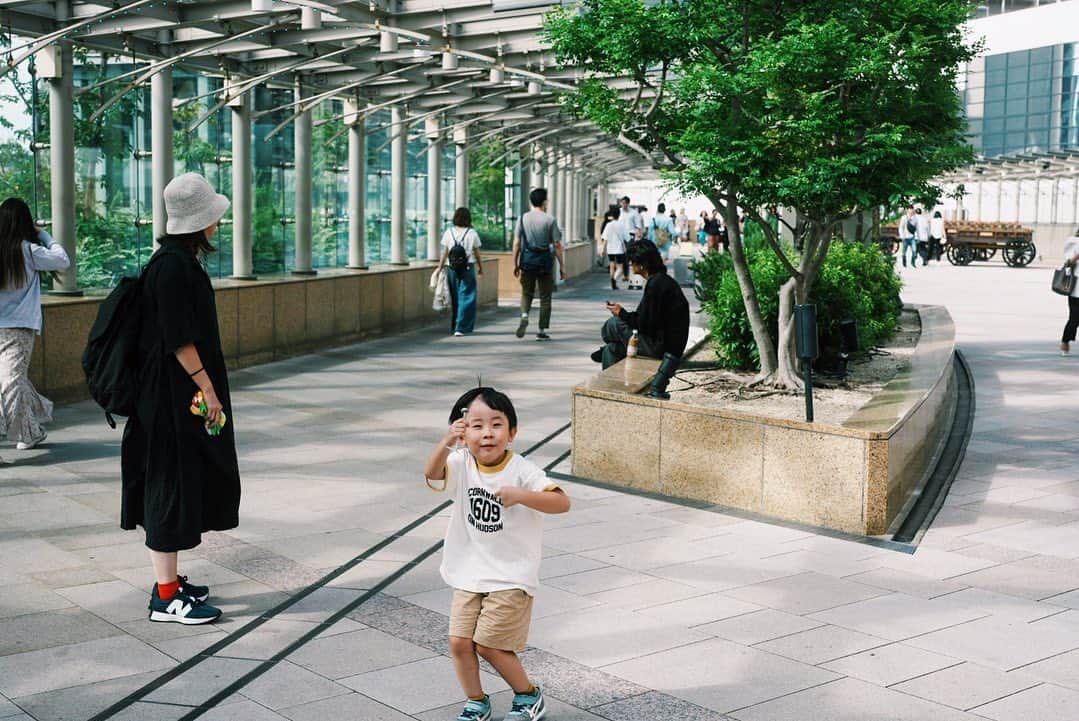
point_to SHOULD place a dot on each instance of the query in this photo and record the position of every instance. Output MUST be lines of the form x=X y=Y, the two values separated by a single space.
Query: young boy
x=493 y=547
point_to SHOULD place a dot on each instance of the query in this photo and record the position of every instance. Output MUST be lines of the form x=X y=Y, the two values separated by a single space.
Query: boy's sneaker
x=476 y=710
x=181 y=608
x=527 y=707
x=522 y=326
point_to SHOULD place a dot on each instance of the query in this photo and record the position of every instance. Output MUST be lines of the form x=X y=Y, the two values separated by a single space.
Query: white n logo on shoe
x=178 y=607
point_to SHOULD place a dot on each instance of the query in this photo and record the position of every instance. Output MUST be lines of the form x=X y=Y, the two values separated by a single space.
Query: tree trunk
x=765 y=350
x=786 y=375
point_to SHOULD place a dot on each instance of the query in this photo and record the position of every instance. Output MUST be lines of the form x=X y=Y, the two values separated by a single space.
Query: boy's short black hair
x=495 y=400
x=537 y=197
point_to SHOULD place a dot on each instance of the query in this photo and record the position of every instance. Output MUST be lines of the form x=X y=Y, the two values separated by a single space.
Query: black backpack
x=458 y=256
x=912 y=227
x=535 y=258
x=110 y=360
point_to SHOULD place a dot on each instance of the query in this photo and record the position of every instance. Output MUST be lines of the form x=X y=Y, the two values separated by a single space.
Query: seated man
x=661 y=319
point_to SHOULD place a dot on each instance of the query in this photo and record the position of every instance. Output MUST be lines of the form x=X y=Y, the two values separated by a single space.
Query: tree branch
x=773 y=242
x=659 y=93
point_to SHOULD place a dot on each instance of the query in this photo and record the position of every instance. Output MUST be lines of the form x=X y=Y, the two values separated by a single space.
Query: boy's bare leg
x=508 y=666
x=467 y=665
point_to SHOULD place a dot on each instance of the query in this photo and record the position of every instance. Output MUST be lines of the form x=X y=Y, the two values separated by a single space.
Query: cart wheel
x=888 y=245
x=963 y=254
x=1019 y=253
x=984 y=254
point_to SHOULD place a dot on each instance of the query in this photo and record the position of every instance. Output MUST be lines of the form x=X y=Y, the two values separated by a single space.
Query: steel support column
x=460 y=177
x=62 y=156
x=434 y=189
x=242 y=224
x=399 y=135
x=161 y=165
x=302 y=135
x=551 y=176
x=357 y=187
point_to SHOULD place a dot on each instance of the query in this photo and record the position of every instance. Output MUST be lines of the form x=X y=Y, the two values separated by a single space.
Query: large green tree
x=825 y=108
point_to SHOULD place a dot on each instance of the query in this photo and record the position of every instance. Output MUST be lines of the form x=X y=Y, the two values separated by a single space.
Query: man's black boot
x=662 y=378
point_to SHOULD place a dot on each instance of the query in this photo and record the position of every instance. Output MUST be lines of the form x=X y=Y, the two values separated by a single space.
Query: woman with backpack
x=25 y=250
x=460 y=252
x=178 y=459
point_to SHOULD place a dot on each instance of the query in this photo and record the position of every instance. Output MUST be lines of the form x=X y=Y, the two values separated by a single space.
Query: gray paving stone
x=575 y=683
x=416 y=625
x=22 y=598
x=805 y=593
x=655 y=705
x=820 y=645
x=905 y=582
x=892 y=664
x=378 y=604
x=1026 y=578
x=898 y=616
x=280 y=573
x=286 y=684
x=700 y=610
x=600 y=636
x=200 y=683
x=567 y=563
x=418 y=686
x=1063 y=670
x=320 y=604
x=725 y=572
x=1041 y=703
x=8 y=709
x=849 y=699
x=185 y=646
x=967 y=685
x=752 y=628
x=720 y=675
x=241 y=711
x=349 y=654
x=33 y=672
x=78 y=703
x=268 y=639
x=351 y=707
x=597 y=580
x=142 y=711
x=115 y=601
x=1000 y=643
x=54 y=628
x=999 y=604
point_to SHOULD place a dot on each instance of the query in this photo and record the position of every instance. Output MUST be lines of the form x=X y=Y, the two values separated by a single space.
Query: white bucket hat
x=192 y=204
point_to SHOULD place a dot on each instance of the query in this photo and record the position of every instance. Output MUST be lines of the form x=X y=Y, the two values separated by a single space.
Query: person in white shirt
x=614 y=238
x=632 y=229
x=493 y=547
x=938 y=236
x=1071 y=257
x=921 y=221
x=462 y=279
x=24 y=251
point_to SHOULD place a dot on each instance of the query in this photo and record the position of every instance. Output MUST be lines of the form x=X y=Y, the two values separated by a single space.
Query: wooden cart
x=970 y=240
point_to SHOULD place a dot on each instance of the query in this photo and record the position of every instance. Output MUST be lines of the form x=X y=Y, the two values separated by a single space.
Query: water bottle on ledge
x=631 y=347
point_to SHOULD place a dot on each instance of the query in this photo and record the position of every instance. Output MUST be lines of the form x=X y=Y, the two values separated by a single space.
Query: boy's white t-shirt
x=489 y=547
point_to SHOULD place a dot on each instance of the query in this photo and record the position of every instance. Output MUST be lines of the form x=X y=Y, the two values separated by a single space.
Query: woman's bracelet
x=200 y=370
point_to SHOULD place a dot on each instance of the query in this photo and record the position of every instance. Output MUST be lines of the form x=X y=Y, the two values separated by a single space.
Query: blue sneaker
x=476 y=710
x=181 y=608
x=527 y=707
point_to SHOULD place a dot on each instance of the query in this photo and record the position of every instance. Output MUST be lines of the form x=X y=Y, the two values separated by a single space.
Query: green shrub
x=857 y=282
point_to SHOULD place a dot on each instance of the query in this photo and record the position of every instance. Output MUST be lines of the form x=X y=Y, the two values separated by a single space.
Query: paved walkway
x=649 y=609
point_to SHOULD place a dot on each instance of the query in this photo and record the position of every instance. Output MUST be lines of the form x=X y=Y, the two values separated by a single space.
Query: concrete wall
x=266 y=319
x=857 y=477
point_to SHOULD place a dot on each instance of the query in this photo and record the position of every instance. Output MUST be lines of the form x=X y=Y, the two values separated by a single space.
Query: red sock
x=167 y=590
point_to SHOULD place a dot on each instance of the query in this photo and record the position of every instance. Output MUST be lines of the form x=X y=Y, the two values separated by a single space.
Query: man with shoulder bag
x=537 y=241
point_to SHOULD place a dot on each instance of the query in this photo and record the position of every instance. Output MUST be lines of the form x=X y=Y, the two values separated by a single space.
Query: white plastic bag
x=556 y=268
x=442 y=290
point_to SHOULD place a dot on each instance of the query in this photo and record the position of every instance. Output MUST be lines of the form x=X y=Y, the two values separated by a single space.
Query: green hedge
x=857 y=282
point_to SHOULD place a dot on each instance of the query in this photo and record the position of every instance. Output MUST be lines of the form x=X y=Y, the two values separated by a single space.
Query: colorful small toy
x=199 y=408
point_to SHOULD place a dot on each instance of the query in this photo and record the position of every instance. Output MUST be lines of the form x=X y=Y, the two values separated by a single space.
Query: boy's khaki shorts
x=498 y=619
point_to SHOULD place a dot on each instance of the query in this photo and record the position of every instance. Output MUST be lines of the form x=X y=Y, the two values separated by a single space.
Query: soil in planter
x=835 y=399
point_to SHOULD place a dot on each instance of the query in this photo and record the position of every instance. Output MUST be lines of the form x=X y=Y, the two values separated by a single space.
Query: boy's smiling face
x=487 y=433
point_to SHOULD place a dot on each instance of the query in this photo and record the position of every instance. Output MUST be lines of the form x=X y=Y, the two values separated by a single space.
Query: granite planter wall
x=266 y=319
x=579 y=259
x=856 y=477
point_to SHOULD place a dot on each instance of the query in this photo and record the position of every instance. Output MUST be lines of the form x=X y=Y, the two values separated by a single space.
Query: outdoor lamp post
x=805 y=337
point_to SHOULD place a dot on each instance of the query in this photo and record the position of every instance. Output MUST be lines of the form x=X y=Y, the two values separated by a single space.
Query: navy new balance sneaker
x=181 y=608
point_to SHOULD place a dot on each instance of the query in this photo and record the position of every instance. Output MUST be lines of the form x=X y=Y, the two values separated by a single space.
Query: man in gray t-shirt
x=537 y=241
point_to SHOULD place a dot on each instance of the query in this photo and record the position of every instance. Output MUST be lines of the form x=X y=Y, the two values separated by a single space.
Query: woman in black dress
x=180 y=481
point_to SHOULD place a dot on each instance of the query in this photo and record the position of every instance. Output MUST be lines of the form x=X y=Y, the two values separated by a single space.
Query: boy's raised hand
x=456 y=433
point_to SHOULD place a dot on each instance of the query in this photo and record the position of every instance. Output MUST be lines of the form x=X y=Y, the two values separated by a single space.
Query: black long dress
x=178 y=481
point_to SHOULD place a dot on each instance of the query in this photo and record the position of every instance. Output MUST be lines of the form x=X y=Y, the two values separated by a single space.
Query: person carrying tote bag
x=1071 y=256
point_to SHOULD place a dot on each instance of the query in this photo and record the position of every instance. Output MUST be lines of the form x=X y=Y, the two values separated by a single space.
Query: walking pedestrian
x=460 y=252
x=921 y=223
x=25 y=250
x=615 y=243
x=1071 y=257
x=536 y=243
x=908 y=233
x=494 y=543
x=711 y=231
x=662 y=231
x=938 y=236
x=180 y=475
